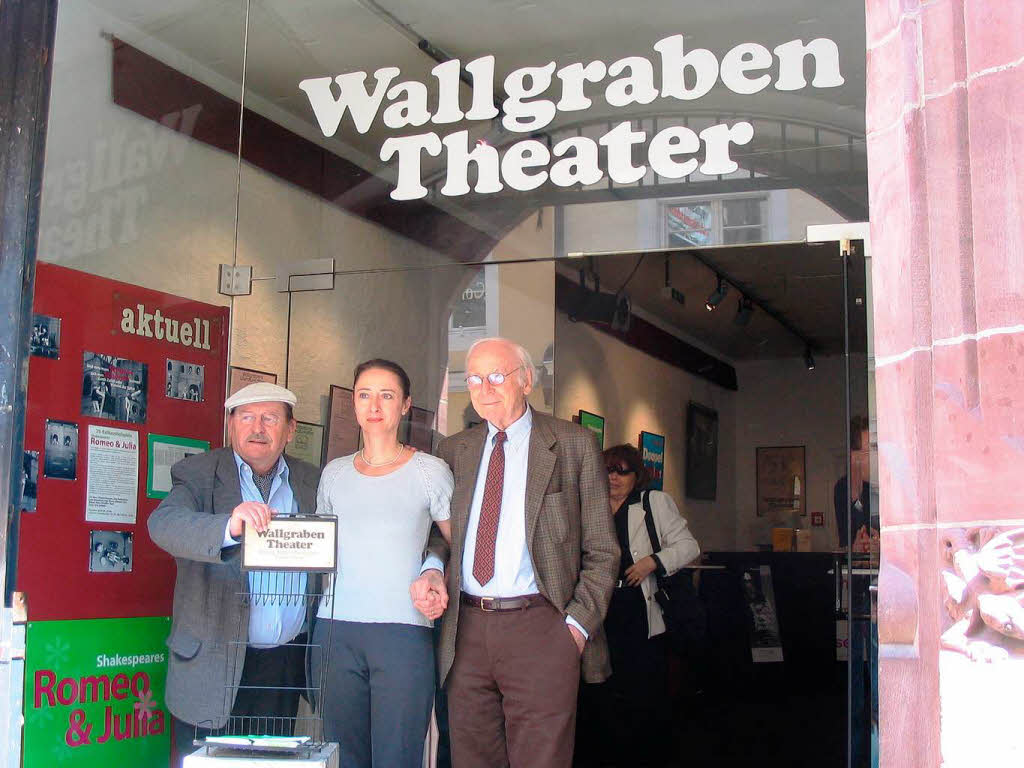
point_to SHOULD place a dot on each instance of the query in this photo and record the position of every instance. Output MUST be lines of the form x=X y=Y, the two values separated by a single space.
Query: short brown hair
x=627 y=454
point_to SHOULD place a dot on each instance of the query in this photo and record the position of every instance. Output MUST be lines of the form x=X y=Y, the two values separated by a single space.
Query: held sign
x=292 y=543
x=94 y=693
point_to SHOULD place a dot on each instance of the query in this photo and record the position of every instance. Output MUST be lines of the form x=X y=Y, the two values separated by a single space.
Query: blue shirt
x=273 y=619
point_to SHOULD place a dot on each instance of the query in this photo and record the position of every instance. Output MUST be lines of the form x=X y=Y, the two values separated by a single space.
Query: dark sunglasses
x=620 y=471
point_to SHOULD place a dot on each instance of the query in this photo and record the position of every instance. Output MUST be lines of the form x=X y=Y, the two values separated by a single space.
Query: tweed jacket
x=211 y=620
x=569 y=530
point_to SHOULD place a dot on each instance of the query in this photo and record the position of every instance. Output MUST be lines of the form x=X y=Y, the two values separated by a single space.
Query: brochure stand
x=291 y=564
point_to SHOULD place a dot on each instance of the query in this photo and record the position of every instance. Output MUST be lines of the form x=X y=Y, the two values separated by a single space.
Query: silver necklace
x=392 y=460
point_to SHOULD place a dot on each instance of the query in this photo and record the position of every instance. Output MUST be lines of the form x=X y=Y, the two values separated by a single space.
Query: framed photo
x=164 y=452
x=419 y=429
x=45 y=341
x=293 y=543
x=184 y=380
x=781 y=480
x=110 y=551
x=29 y=481
x=308 y=443
x=652 y=451
x=701 y=452
x=594 y=423
x=243 y=377
x=342 y=427
x=60 y=458
x=114 y=388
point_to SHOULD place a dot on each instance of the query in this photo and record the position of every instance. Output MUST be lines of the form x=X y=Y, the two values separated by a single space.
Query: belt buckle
x=484 y=603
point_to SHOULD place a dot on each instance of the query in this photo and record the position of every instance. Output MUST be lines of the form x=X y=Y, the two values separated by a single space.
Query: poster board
x=243 y=377
x=118 y=323
x=701 y=452
x=163 y=452
x=342 y=427
x=781 y=480
x=94 y=693
x=594 y=423
x=419 y=429
x=652 y=451
x=308 y=443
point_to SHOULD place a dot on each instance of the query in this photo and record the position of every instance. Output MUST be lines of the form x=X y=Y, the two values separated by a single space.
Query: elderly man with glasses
x=532 y=565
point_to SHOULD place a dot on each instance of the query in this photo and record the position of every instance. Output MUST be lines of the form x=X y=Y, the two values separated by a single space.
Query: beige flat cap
x=260 y=392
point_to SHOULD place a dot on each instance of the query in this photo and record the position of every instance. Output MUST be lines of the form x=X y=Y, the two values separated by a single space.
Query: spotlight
x=716 y=296
x=744 y=309
x=808 y=359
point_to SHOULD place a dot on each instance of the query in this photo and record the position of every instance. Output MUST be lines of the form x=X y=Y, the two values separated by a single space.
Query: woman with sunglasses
x=379 y=685
x=631 y=705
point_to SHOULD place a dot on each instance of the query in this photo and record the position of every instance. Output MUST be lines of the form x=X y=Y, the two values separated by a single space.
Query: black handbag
x=684 y=614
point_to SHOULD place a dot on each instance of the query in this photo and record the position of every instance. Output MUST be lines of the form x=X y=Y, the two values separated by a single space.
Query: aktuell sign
x=529 y=107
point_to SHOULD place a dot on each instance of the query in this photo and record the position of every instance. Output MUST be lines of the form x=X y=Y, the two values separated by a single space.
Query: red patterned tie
x=490 y=509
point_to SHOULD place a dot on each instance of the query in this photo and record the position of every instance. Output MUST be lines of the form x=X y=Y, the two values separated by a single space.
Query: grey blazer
x=211 y=620
x=569 y=530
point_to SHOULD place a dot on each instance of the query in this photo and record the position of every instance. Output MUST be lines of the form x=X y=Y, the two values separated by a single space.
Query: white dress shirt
x=272 y=622
x=513 y=567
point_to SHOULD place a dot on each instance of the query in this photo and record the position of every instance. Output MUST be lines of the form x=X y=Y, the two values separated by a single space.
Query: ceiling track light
x=744 y=310
x=808 y=359
x=716 y=296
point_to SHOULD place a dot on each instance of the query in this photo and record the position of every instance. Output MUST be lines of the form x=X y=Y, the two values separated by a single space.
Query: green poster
x=94 y=693
x=595 y=424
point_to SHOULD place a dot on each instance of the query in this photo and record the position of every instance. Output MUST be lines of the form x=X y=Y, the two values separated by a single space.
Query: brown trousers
x=512 y=689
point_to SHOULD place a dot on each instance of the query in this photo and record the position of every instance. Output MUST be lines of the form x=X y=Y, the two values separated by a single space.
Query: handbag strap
x=649 y=522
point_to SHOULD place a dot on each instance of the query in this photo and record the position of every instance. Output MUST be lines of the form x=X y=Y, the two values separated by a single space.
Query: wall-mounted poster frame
x=781 y=480
x=163 y=452
x=594 y=423
x=342 y=427
x=242 y=377
x=419 y=429
x=701 y=452
x=308 y=443
x=652 y=451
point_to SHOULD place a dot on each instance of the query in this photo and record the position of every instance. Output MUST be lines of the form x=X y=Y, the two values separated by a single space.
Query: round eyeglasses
x=495 y=378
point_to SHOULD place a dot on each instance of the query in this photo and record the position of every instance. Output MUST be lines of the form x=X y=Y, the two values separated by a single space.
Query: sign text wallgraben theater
x=528 y=107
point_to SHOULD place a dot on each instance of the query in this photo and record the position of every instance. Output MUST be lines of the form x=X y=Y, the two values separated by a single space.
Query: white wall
x=780 y=403
x=635 y=392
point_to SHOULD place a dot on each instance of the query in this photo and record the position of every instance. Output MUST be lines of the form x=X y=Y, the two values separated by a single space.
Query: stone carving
x=983 y=587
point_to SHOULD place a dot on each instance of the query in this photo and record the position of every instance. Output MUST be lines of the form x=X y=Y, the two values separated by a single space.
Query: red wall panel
x=53 y=558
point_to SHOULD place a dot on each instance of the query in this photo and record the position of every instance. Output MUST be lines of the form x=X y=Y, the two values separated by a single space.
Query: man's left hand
x=637 y=572
x=577 y=637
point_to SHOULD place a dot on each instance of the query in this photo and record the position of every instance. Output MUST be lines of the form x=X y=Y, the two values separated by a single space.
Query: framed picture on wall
x=243 y=377
x=418 y=430
x=308 y=443
x=781 y=480
x=652 y=451
x=594 y=423
x=342 y=427
x=701 y=452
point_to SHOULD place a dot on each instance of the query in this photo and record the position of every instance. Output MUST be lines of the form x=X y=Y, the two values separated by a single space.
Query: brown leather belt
x=520 y=603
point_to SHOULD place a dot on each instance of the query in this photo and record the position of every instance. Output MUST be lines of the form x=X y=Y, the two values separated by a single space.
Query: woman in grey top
x=380 y=679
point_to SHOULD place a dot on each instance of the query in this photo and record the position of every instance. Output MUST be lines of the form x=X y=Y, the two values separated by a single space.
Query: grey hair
x=521 y=352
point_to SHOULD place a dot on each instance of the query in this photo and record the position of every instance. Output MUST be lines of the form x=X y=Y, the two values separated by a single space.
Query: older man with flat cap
x=226 y=653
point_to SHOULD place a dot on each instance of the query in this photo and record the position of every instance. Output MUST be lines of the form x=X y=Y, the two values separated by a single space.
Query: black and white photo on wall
x=701 y=452
x=29 y=481
x=110 y=551
x=184 y=381
x=45 y=340
x=61 y=454
x=114 y=388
